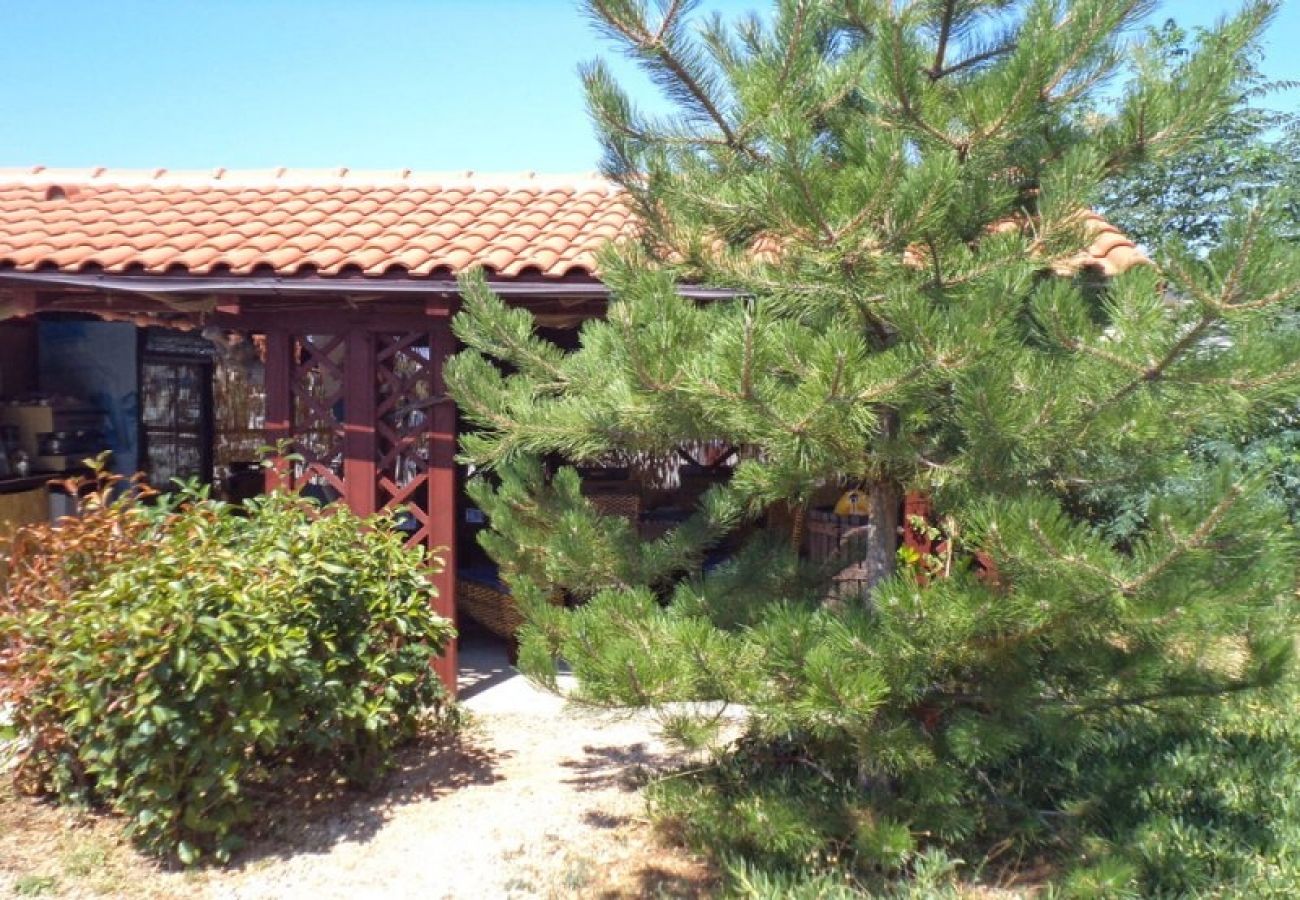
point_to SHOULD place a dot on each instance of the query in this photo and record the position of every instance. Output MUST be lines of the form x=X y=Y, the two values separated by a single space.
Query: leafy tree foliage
x=894 y=194
x=1253 y=154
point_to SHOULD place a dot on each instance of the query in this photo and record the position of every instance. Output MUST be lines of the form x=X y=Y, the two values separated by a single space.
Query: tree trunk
x=885 y=505
x=882 y=532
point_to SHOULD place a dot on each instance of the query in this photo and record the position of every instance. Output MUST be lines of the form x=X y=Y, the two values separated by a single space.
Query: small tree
x=895 y=195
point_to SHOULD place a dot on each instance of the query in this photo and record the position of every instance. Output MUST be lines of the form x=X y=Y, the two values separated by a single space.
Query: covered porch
x=336 y=290
x=344 y=380
x=343 y=286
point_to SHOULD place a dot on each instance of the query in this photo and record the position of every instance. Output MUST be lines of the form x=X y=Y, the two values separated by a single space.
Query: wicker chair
x=624 y=503
x=482 y=596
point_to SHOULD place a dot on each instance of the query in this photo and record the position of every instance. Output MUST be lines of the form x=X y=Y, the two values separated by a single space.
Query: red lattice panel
x=318 y=377
x=405 y=385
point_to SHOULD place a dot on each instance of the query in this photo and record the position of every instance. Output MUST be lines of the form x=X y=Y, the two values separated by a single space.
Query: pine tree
x=893 y=194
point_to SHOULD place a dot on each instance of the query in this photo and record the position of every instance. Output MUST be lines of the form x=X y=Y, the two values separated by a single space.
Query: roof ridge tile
x=282 y=176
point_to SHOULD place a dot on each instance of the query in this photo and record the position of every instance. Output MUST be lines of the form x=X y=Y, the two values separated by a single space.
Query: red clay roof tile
x=287 y=220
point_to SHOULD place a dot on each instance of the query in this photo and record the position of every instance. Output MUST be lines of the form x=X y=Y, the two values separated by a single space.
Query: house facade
x=346 y=280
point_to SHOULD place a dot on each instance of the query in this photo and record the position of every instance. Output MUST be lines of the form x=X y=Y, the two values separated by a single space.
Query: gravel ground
x=531 y=799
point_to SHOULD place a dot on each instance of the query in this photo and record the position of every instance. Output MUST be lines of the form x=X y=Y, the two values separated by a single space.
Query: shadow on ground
x=484 y=663
x=319 y=813
x=627 y=767
x=664 y=881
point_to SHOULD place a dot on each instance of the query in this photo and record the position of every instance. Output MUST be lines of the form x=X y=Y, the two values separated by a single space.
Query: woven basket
x=617 y=503
x=494 y=608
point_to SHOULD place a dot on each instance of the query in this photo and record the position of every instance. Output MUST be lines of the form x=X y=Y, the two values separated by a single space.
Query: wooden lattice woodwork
x=405 y=386
x=318 y=410
x=361 y=400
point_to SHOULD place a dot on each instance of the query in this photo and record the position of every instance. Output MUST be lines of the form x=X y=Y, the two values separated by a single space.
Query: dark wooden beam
x=279 y=400
x=444 y=498
x=17 y=302
x=359 y=471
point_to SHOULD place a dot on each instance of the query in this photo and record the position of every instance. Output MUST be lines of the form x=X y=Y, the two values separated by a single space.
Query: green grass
x=35 y=885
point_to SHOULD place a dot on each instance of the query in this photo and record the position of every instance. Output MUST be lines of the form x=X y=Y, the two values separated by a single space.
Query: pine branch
x=810 y=205
x=1071 y=559
x=935 y=265
x=792 y=46
x=1156 y=371
x=945 y=28
x=655 y=43
x=850 y=84
x=646 y=380
x=974 y=60
x=1112 y=358
x=1009 y=112
x=1230 y=291
x=878 y=392
x=510 y=329
x=1182 y=693
x=1183 y=546
x=666 y=22
x=671 y=140
x=1098 y=27
x=907 y=107
x=747 y=359
x=1280 y=376
x=832 y=396
x=870 y=210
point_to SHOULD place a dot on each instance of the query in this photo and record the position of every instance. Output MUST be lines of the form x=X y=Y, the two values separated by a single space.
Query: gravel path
x=533 y=800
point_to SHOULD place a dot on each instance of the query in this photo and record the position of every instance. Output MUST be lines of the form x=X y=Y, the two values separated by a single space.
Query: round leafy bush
x=175 y=681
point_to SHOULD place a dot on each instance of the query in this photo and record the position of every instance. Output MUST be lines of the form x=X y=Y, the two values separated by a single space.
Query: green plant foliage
x=893 y=196
x=934 y=878
x=1206 y=803
x=233 y=645
x=1196 y=801
x=1254 y=153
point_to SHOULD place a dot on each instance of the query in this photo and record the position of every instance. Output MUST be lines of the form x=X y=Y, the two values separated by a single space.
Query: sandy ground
x=531 y=800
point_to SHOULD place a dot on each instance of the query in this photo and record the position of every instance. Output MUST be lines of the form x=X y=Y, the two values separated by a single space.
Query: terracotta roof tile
x=155 y=220
x=1111 y=251
x=288 y=220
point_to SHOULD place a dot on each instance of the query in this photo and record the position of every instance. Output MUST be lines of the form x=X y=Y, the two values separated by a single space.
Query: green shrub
x=932 y=878
x=237 y=645
x=1203 y=805
x=1198 y=800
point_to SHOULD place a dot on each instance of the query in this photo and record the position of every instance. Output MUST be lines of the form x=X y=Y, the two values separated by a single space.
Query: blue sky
x=425 y=84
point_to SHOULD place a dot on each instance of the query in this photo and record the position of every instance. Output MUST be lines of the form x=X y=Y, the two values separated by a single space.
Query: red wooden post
x=917 y=505
x=442 y=486
x=917 y=510
x=359 y=475
x=279 y=399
